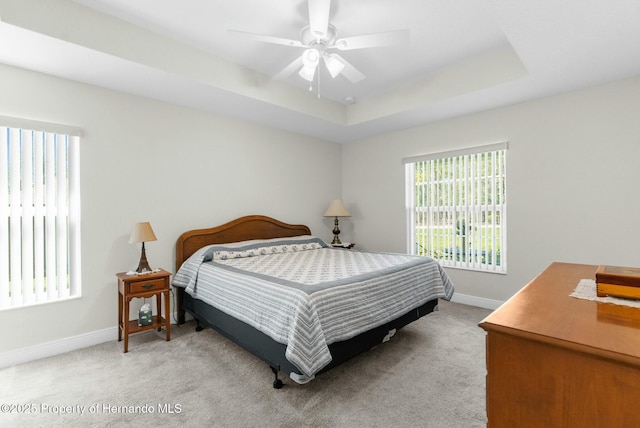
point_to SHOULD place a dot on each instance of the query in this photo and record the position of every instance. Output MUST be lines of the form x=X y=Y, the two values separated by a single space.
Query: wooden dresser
x=558 y=361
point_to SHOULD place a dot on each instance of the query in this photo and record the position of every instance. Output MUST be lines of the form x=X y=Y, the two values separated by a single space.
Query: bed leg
x=198 y=326
x=277 y=383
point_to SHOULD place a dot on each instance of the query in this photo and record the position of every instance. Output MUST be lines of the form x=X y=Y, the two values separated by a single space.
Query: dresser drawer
x=143 y=286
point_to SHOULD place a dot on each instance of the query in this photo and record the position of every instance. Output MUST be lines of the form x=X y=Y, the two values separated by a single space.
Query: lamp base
x=143 y=265
x=336 y=233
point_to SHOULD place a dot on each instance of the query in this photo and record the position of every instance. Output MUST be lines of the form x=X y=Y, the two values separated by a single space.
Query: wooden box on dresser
x=558 y=361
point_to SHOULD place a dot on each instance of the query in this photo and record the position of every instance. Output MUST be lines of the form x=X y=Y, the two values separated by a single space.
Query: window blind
x=40 y=213
x=456 y=206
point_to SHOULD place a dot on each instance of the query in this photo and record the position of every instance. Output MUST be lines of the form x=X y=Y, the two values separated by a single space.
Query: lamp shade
x=337 y=209
x=142 y=232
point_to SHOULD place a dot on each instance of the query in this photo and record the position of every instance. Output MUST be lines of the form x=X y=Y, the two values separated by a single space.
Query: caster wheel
x=277 y=384
x=199 y=328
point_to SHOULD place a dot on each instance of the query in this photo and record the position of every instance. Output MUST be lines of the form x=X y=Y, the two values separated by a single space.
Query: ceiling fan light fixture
x=311 y=58
x=334 y=65
x=307 y=73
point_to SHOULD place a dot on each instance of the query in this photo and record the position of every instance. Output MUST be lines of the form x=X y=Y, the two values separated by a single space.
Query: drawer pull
x=148 y=286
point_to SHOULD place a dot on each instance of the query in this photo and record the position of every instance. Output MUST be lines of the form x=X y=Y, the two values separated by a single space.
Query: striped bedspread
x=306 y=295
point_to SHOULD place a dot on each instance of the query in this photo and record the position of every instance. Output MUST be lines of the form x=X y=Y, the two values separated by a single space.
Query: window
x=456 y=207
x=39 y=212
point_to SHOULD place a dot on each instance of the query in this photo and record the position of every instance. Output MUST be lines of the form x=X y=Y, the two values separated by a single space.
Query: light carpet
x=431 y=374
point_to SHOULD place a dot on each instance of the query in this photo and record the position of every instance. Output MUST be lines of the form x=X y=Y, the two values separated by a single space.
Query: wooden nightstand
x=147 y=285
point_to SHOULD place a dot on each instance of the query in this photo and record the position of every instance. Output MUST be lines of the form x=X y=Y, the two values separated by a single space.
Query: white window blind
x=39 y=212
x=456 y=207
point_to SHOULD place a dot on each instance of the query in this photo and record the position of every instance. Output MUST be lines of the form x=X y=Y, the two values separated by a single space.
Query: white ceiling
x=463 y=56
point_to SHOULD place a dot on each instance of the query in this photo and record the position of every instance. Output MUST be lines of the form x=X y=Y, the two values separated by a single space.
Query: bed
x=297 y=303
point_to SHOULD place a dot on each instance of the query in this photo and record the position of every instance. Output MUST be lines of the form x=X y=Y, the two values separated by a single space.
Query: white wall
x=180 y=169
x=572 y=186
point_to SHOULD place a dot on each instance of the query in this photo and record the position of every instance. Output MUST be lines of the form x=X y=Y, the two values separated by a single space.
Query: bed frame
x=256 y=342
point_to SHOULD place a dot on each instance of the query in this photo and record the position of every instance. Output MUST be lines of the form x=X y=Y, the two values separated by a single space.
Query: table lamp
x=336 y=209
x=142 y=232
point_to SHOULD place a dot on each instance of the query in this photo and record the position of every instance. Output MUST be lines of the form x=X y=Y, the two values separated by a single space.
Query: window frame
x=462 y=207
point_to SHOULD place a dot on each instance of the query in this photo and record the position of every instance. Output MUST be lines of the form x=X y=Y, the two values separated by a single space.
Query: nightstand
x=144 y=285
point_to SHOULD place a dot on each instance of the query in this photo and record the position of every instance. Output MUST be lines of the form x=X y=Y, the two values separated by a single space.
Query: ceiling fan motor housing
x=309 y=39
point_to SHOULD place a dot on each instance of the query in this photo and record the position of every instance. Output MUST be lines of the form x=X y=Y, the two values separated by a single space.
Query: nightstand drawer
x=142 y=286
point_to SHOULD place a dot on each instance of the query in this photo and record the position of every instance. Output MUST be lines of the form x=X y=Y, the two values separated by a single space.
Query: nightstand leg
x=167 y=314
x=125 y=324
x=120 y=296
x=159 y=308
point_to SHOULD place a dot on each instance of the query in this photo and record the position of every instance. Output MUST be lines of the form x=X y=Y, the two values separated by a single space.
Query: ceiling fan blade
x=270 y=39
x=389 y=38
x=295 y=65
x=349 y=71
x=319 y=17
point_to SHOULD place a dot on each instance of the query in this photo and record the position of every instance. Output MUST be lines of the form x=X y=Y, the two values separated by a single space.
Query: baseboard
x=61 y=346
x=37 y=352
x=480 y=302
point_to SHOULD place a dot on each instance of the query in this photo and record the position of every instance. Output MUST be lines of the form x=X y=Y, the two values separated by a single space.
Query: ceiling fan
x=319 y=38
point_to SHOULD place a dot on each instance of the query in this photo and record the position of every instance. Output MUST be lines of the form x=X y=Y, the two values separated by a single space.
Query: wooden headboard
x=241 y=229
